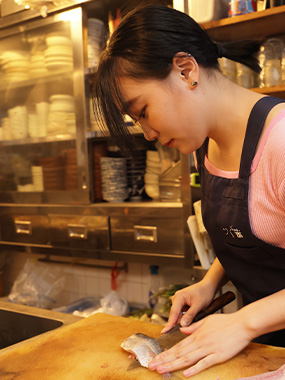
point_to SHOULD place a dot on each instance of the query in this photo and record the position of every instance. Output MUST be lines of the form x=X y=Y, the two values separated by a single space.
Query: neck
x=230 y=105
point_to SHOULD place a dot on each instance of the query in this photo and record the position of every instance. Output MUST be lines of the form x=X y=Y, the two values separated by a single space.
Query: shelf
x=38 y=140
x=278 y=91
x=253 y=25
x=54 y=76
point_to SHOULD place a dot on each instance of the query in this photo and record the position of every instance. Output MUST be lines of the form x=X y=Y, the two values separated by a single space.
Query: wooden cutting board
x=90 y=350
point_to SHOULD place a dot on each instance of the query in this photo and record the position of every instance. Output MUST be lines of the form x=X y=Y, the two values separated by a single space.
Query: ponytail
x=245 y=52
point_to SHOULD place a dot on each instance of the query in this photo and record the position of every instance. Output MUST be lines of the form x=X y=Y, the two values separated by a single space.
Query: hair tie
x=220 y=49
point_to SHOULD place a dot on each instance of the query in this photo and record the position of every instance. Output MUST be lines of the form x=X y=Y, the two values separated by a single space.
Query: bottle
x=154 y=285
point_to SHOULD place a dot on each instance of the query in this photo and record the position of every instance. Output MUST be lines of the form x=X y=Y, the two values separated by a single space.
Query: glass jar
x=245 y=76
x=272 y=68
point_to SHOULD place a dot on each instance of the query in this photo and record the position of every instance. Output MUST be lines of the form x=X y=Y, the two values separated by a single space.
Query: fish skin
x=145 y=350
x=143 y=347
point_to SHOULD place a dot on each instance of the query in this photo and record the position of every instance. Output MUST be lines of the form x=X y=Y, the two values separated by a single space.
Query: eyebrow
x=130 y=104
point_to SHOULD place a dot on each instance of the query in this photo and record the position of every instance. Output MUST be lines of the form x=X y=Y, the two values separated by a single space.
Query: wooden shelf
x=256 y=25
x=278 y=91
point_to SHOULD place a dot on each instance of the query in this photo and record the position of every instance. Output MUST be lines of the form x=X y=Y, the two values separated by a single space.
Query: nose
x=150 y=134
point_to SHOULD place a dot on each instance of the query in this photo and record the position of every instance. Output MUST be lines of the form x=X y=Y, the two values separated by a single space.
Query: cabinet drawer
x=165 y=236
x=80 y=232
x=25 y=229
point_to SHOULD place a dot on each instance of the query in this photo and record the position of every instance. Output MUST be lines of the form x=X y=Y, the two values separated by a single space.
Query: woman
x=161 y=69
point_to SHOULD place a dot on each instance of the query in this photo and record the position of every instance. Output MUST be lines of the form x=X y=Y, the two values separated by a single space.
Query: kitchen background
x=80 y=282
x=54 y=196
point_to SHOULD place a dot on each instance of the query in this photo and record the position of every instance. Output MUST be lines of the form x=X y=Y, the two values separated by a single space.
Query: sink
x=20 y=322
x=16 y=327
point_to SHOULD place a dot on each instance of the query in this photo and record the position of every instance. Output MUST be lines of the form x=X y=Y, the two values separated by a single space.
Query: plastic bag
x=112 y=304
x=37 y=285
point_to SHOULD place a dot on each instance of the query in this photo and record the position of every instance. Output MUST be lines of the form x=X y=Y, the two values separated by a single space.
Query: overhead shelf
x=260 y=24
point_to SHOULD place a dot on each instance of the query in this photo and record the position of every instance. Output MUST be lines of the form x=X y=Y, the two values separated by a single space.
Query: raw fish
x=143 y=347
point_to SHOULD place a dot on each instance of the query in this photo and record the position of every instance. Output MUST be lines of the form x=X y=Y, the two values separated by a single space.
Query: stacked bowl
x=18 y=121
x=38 y=65
x=15 y=65
x=71 y=170
x=153 y=170
x=61 y=117
x=58 y=54
x=114 y=179
x=53 y=173
x=95 y=38
x=37 y=174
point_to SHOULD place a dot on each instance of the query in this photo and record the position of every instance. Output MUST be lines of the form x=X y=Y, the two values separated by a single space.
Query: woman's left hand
x=212 y=340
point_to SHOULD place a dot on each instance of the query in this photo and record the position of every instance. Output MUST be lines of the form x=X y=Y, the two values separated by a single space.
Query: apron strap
x=254 y=128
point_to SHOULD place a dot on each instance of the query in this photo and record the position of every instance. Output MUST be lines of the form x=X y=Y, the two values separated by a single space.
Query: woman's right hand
x=194 y=298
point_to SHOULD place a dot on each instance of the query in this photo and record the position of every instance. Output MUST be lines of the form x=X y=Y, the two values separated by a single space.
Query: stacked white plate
x=42 y=118
x=25 y=188
x=61 y=115
x=114 y=179
x=38 y=65
x=95 y=38
x=37 y=174
x=59 y=54
x=33 y=125
x=18 y=120
x=15 y=65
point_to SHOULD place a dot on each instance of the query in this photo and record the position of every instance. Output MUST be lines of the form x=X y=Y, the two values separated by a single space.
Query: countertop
x=90 y=349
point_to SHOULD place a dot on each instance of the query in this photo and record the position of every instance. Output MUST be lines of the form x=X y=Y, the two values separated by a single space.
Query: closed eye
x=142 y=114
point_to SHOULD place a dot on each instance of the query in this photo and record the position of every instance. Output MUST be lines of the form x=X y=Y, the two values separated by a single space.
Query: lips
x=169 y=143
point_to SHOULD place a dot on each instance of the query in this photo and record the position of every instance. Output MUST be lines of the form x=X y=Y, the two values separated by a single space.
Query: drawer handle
x=145 y=233
x=77 y=231
x=23 y=227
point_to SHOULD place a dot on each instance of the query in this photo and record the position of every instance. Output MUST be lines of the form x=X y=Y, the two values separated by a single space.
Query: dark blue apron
x=256 y=268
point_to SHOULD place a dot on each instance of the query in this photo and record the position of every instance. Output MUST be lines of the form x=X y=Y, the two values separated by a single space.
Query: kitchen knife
x=173 y=336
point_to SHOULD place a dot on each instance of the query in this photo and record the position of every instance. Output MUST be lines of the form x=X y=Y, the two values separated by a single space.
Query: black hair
x=143 y=47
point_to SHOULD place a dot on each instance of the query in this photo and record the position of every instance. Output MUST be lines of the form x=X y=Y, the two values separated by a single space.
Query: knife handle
x=215 y=305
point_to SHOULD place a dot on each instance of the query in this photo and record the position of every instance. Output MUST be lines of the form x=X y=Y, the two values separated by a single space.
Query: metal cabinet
x=43 y=147
x=24 y=228
x=164 y=236
x=79 y=232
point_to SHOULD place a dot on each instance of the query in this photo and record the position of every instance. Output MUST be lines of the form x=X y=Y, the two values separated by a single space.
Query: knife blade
x=174 y=335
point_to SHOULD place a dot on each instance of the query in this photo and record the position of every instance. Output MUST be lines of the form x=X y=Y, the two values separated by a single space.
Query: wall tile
x=92 y=286
x=104 y=286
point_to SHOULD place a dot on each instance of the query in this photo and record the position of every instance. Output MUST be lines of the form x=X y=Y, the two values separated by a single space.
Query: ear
x=187 y=67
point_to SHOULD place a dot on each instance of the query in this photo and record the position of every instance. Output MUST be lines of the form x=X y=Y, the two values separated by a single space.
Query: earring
x=194 y=83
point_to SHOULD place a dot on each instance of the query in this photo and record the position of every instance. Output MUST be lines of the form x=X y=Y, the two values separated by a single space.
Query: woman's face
x=168 y=111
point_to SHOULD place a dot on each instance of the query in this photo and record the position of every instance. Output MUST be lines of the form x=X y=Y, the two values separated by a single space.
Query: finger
x=192 y=328
x=200 y=366
x=189 y=316
x=180 y=361
x=170 y=324
x=175 y=313
x=184 y=347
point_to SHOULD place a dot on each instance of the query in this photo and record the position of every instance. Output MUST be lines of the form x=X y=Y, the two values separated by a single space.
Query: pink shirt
x=266 y=184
